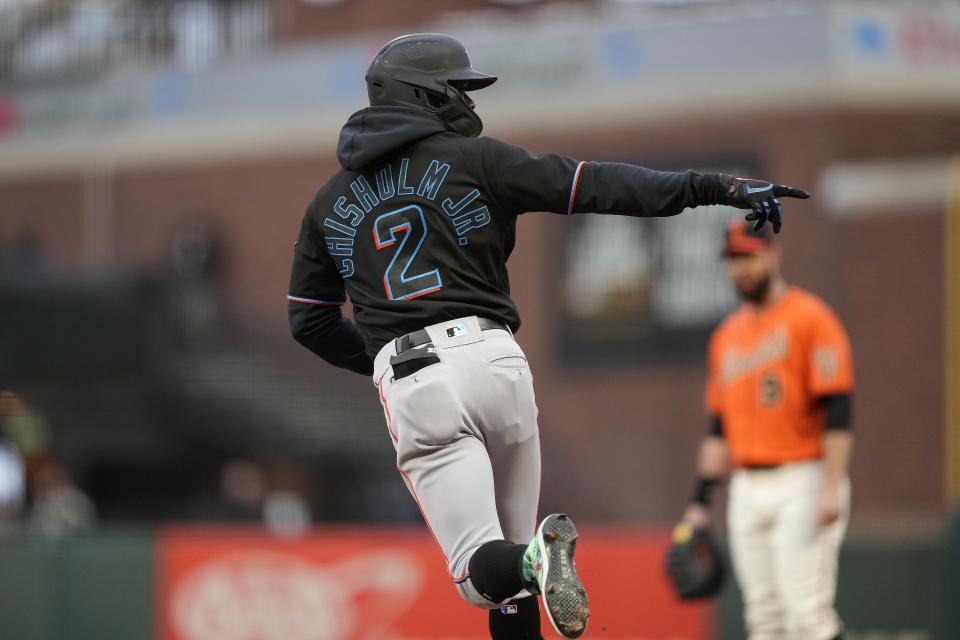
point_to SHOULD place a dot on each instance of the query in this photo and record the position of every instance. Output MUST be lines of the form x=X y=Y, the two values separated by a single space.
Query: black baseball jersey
x=417 y=226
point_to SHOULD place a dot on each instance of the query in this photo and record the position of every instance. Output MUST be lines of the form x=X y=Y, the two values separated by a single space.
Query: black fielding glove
x=694 y=563
x=762 y=198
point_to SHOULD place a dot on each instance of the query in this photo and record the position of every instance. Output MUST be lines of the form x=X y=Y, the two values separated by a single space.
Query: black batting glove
x=761 y=197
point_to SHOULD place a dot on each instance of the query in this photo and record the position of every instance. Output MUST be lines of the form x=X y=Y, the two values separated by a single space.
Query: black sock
x=516 y=620
x=495 y=569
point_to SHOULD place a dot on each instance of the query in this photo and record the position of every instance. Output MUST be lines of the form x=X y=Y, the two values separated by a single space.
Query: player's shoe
x=549 y=570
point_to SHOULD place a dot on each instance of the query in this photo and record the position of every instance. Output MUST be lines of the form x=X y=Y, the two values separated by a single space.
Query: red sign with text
x=388 y=584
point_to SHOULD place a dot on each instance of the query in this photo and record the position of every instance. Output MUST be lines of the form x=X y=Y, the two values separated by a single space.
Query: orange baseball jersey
x=766 y=371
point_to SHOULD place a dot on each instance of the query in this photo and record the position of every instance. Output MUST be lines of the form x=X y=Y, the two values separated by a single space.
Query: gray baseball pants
x=467 y=442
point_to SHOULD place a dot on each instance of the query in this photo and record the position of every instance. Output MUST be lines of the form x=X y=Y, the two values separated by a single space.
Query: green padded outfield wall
x=90 y=588
x=951 y=599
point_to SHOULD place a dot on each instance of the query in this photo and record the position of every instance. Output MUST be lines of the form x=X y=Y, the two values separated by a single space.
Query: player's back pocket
x=509 y=360
x=413 y=360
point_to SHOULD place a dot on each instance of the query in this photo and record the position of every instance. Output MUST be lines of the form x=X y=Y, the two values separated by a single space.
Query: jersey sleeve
x=314 y=278
x=829 y=357
x=523 y=181
x=316 y=296
x=713 y=394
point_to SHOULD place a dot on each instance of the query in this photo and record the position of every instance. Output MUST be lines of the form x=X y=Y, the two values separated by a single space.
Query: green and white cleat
x=549 y=570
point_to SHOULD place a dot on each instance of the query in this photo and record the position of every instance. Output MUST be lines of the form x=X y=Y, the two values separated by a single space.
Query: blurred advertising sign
x=640 y=289
x=900 y=48
x=366 y=584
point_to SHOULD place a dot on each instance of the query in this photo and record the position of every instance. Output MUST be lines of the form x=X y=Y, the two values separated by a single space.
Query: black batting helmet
x=429 y=71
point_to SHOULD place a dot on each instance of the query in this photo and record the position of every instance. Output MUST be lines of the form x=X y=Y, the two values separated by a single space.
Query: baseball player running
x=416 y=228
x=779 y=395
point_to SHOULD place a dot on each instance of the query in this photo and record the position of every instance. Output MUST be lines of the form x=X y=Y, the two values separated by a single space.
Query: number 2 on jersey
x=397 y=281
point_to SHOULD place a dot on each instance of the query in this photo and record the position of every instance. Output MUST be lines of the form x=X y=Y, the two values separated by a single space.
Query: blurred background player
x=13 y=484
x=779 y=387
x=37 y=492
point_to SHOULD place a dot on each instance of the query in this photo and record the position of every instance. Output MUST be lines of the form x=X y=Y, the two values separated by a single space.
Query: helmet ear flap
x=459 y=116
x=436 y=101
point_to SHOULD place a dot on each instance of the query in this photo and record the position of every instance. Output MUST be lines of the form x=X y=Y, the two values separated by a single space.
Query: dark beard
x=758 y=293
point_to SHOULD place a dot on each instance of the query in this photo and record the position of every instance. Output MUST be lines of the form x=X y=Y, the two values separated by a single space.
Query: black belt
x=421 y=337
x=750 y=466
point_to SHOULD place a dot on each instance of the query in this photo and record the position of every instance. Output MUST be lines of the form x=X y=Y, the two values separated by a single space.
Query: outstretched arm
x=523 y=181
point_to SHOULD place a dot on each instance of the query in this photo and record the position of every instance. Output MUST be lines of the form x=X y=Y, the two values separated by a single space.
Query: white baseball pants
x=785 y=564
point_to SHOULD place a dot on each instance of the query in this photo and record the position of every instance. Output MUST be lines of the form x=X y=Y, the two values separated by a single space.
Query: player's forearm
x=611 y=187
x=712 y=464
x=325 y=332
x=837 y=447
x=713 y=459
x=837 y=438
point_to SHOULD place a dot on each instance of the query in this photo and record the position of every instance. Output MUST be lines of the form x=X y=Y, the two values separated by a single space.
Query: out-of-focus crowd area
x=37 y=494
x=156 y=158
